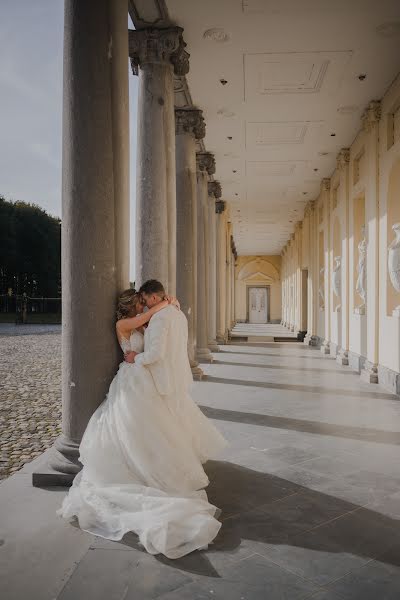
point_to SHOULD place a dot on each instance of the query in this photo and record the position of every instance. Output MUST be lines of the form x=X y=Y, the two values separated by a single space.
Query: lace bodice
x=135 y=342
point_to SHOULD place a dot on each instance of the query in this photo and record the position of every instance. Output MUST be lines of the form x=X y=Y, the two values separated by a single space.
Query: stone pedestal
x=189 y=127
x=156 y=54
x=205 y=167
x=342 y=357
x=94 y=106
x=369 y=372
x=325 y=347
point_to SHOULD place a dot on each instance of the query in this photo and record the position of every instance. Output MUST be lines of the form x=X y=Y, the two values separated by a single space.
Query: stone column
x=120 y=120
x=189 y=127
x=221 y=266
x=325 y=191
x=205 y=167
x=343 y=160
x=214 y=193
x=313 y=275
x=233 y=261
x=370 y=120
x=91 y=103
x=228 y=279
x=156 y=55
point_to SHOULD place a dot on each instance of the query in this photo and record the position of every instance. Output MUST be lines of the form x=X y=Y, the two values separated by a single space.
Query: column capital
x=371 y=115
x=214 y=189
x=219 y=207
x=152 y=45
x=343 y=158
x=325 y=184
x=205 y=162
x=190 y=120
x=310 y=206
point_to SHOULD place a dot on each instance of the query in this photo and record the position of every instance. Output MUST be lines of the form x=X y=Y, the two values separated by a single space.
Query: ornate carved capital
x=298 y=226
x=190 y=120
x=371 y=115
x=219 y=207
x=214 y=189
x=205 y=162
x=310 y=206
x=326 y=184
x=154 y=45
x=343 y=158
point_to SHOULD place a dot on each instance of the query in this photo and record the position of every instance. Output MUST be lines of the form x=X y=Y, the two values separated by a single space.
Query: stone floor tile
x=119 y=575
x=253 y=578
x=378 y=580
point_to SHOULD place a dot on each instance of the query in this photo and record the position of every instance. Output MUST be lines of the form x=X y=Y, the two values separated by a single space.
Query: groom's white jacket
x=165 y=351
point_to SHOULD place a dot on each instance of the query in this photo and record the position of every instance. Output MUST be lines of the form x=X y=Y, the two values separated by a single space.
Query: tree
x=30 y=250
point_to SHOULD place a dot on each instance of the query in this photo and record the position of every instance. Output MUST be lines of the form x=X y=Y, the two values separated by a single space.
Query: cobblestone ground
x=30 y=398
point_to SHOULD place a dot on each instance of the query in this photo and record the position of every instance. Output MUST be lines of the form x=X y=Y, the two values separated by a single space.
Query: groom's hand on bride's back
x=130 y=356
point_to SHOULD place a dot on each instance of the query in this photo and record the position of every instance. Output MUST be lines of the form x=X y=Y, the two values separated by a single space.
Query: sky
x=31 y=47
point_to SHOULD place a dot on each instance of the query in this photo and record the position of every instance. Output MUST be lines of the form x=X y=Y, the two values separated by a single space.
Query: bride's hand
x=174 y=301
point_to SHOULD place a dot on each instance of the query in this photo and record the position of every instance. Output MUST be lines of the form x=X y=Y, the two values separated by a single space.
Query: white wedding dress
x=142 y=466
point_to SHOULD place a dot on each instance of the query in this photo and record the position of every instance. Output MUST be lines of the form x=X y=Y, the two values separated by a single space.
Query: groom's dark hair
x=152 y=286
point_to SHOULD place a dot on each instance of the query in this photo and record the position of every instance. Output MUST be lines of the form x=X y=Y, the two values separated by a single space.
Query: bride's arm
x=125 y=325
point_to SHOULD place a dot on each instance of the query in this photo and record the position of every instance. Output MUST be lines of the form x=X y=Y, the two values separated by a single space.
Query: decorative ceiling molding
x=146 y=13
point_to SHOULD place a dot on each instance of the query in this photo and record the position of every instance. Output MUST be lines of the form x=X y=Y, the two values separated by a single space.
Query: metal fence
x=21 y=308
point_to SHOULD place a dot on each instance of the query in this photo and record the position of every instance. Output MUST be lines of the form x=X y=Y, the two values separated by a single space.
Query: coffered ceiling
x=282 y=84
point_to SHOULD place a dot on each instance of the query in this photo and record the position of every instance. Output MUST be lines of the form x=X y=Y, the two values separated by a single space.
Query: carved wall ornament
x=152 y=45
x=361 y=284
x=190 y=120
x=337 y=277
x=321 y=288
x=214 y=189
x=394 y=260
x=371 y=115
x=205 y=162
x=217 y=34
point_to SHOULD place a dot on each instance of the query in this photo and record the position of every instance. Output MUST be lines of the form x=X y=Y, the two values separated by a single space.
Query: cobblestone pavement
x=30 y=398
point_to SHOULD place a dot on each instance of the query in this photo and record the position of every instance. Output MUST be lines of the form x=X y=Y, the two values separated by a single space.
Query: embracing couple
x=144 y=447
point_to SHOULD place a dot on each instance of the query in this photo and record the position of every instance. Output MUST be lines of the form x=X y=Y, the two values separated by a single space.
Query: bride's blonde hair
x=126 y=305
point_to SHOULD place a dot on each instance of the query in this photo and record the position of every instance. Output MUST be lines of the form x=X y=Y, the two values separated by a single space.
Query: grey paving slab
x=309 y=490
x=39 y=550
x=116 y=575
x=378 y=579
x=252 y=578
x=337 y=548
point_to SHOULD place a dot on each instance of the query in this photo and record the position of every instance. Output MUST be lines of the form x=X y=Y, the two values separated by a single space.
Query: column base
x=213 y=346
x=62 y=466
x=204 y=355
x=342 y=358
x=221 y=339
x=197 y=372
x=370 y=372
x=325 y=347
x=310 y=340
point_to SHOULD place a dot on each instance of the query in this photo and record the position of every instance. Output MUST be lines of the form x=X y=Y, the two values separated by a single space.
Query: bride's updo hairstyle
x=126 y=304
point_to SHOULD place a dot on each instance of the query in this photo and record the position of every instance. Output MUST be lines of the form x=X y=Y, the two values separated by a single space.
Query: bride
x=142 y=459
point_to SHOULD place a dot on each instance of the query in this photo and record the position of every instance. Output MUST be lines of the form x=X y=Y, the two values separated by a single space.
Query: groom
x=165 y=344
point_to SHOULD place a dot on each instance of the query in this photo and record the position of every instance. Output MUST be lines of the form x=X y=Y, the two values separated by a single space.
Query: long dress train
x=142 y=456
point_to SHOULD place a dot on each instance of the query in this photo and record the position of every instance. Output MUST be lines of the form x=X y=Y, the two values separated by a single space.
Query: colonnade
x=183 y=232
x=340 y=269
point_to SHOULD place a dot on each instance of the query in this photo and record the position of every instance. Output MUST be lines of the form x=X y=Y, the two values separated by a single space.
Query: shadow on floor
x=266 y=366
x=328 y=391
x=273 y=511
x=266 y=354
x=342 y=431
